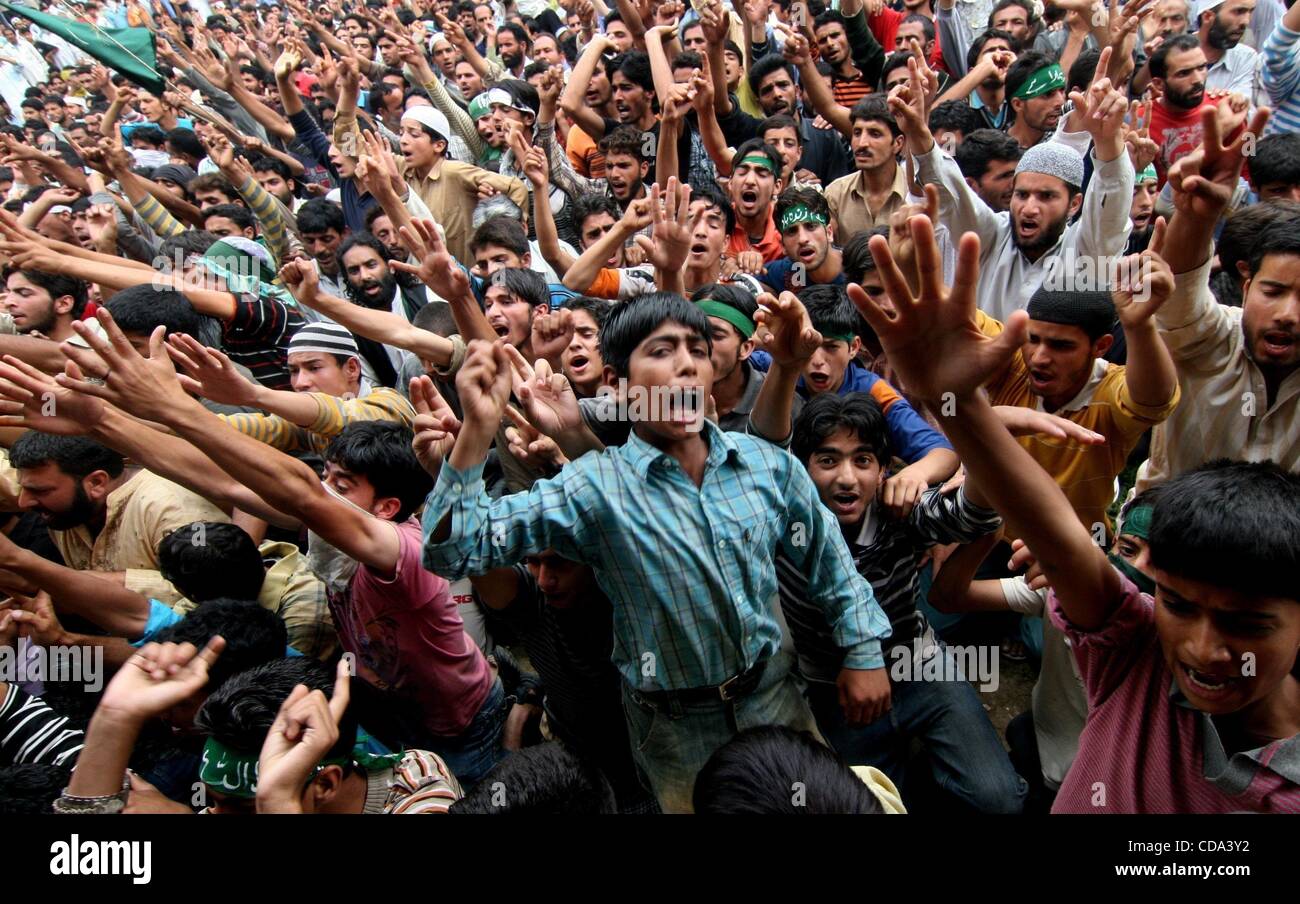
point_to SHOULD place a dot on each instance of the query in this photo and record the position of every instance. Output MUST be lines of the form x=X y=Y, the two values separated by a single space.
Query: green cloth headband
x=1045 y=80
x=758 y=160
x=800 y=213
x=728 y=313
x=1137 y=522
x=838 y=337
x=1148 y=174
x=230 y=772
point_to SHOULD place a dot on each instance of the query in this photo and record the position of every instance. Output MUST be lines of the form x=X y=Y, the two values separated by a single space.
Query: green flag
x=128 y=50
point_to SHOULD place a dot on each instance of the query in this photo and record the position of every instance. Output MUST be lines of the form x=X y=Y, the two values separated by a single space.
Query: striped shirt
x=1281 y=77
x=1225 y=412
x=258 y=337
x=31 y=732
x=848 y=91
x=886 y=553
x=1145 y=749
x=418 y=783
x=690 y=570
x=333 y=414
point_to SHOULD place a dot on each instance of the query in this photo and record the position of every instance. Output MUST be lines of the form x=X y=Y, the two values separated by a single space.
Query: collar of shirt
x=1100 y=367
x=1233 y=774
x=113 y=505
x=749 y=395
x=770 y=241
x=899 y=188
x=642 y=456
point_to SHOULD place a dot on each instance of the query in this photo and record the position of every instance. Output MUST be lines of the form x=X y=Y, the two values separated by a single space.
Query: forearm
x=382 y=326
x=1032 y=504
x=963 y=88
x=108 y=604
x=660 y=70
x=101 y=767
x=290 y=99
x=1188 y=241
x=773 y=415
x=667 y=164
x=548 y=237
x=935 y=466
x=718 y=75
x=823 y=99
x=1149 y=370
x=582 y=273
x=299 y=408
x=573 y=98
x=954 y=588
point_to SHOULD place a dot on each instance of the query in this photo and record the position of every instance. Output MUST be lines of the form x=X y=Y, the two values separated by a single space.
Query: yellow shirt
x=382 y=404
x=140 y=513
x=450 y=191
x=1086 y=474
x=850 y=210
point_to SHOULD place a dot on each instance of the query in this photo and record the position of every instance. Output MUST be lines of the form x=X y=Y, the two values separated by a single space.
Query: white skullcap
x=430 y=118
x=1051 y=158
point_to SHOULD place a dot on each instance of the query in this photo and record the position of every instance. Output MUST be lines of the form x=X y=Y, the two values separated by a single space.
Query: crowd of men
x=427 y=406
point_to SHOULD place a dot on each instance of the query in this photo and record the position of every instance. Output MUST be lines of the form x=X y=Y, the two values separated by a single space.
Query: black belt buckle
x=740 y=685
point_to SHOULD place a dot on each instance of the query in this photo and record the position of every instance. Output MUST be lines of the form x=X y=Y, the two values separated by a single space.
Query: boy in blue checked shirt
x=680 y=524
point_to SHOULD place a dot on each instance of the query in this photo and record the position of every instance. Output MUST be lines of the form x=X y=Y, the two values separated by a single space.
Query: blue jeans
x=472 y=754
x=672 y=742
x=965 y=753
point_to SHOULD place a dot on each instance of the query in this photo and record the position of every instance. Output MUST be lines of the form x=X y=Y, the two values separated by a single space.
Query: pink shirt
x=409 y=640
x=1144 y=749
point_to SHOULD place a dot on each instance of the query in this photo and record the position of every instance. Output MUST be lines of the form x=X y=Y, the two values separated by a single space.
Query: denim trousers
x=472 y=754
x=672 y=742
x=965 y=754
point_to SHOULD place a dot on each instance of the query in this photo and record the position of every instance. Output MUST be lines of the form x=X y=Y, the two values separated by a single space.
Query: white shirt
x=1007 y=277
x=1236 y=72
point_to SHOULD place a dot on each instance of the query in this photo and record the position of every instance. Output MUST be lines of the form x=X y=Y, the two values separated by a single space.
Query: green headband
x=230 y=772
x=800 y=213
x=838 y=337
x=757 y=160
x=1137 y=522
x=728 y=313
x=1045 y=80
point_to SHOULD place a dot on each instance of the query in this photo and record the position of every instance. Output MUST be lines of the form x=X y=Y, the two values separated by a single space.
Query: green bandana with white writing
x=801 y=213
x=1044 y=81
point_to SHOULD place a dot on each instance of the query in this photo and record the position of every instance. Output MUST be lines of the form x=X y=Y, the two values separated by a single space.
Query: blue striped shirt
x=690 y=570
x=1281 y=77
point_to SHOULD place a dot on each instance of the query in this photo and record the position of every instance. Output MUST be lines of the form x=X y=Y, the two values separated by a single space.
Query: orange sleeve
x=605 y=285
x=884 y=394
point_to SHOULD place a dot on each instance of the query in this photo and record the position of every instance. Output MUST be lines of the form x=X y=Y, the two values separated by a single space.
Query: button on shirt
x=690 y=570
x=851 y=206
x=1235 y=71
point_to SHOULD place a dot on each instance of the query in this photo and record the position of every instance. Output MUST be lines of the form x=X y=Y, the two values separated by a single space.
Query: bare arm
x=573 y=101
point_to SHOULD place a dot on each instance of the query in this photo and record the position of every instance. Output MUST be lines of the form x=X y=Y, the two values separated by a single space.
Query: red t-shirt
x=769 y=246
x=1177 y=134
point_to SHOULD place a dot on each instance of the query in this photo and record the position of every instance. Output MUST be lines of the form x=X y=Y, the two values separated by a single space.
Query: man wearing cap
x=449 y=188
x=1018 y=246
x=328 y=393
x=1221 y=24
x=1036 y=88
x=1062 y=370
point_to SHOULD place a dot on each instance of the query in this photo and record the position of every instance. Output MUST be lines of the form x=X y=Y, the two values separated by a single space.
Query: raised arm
x=574 y=99
x=583 y=271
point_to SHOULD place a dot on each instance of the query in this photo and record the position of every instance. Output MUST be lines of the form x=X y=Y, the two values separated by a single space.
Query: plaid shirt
x=689 y=569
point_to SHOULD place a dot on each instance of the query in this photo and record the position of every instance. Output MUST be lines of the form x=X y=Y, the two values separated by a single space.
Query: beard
x=79 y=513
x=512 y=60
x=45 y=325
x=1185 y=100
x=359 y=293
x=1219 y=38
x=1046 y=238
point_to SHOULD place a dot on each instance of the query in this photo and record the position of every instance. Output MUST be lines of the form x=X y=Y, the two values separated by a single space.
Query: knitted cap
x=329 y=338
x=1051 y=158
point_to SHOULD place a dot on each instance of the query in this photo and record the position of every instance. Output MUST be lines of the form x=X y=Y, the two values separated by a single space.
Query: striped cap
x=329 y=338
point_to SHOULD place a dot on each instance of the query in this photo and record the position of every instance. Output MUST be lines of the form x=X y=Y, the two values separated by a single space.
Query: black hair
x=772 y=769
x=598 y=308
x=711 y=193
x=141 y=309
x=210 y=559
x=1231 y=524
x=829 y=17
x=266 y=164
x=1159 y=62
x=380 y=451
x=436 y=317
x=780 y=121
x=520 y=33
x=320 y=215
x=730 y=294
x=1025 y=65
x=828 y=413
x=30 y=789
x=956 y=115
x=365 y=240
x=373 y=214
x=687 y=59
x=1031 y=18
x=977 y=45
x=855 y=255
x=536 y=67
x=546 y=780
x=758 y=145
x=830 y=310
x=1282 y=237
x=875 y=108
x=215 y=182
x=502 y=232
x=927 y=25
x=57 y=285
x=528 y=284
x=811 y=198
x=896 y=60
x=253 y=635
x=631 y=322
x=626 y=139
x=765 y=66
x=1243 y=228
x=1082 y=70
x=238 y=214
x=189 y=242
x=149 y=135
x=590 y=203
x=186 y=142
x=1276 y=160
x=980 y=148
x=76 y=456
x=242 y=710
x=635 y=66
